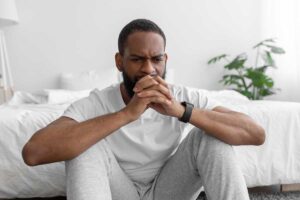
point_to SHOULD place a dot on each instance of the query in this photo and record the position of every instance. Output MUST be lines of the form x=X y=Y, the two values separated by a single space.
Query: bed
x=277 y=161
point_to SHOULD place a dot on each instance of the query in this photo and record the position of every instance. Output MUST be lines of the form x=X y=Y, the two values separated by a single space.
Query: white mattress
x=275 y=162
x=278 y=159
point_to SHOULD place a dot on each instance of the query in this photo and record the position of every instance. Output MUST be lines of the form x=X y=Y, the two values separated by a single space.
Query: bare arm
x=229 y=126
x=65 y=138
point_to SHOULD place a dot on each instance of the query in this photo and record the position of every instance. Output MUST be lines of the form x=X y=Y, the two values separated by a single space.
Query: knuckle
x=160 y=87
x=153 y=82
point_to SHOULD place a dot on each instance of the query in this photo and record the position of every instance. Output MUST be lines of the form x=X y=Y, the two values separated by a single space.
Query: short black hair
x=143 y=25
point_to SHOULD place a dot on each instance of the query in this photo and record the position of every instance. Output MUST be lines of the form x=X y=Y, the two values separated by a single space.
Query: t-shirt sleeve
x=207 y=102
x=82 y=109
x=198 y=97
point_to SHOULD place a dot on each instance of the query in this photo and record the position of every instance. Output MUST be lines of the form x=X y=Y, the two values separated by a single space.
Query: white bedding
x=17 y=124
x=275 y=162
x=278 y=159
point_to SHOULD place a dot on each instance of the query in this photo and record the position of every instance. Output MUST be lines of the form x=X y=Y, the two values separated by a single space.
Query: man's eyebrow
x=159 y=55
x=135 y=55
x=140 y=56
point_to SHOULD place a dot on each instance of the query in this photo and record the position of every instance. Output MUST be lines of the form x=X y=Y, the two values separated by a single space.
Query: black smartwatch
x=187 y=113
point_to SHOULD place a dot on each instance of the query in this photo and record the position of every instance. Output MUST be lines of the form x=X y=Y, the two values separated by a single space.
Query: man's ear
x=119 y=61
x=166 y=55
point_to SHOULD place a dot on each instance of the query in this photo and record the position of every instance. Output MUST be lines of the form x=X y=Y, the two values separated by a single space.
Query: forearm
x=63 y=142
x=230 y=127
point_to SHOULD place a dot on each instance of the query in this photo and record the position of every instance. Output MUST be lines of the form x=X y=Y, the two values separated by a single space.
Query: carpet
x=267 y=196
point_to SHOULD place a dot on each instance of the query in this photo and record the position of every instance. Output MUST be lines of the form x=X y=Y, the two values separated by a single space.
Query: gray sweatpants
x=200 y=160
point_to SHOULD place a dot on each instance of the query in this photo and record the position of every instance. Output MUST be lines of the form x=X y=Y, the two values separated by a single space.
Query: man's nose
x=148 y=66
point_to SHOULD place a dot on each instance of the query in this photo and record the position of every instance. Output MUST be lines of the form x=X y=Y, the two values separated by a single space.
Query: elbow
x=255 y=137
x=259 y=136
x=29 y=155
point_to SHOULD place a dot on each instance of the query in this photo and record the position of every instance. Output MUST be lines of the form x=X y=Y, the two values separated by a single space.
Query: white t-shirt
x=142 y=146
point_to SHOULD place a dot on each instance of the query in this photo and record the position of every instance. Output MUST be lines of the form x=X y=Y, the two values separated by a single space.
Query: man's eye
x=135 y=59
x=159 y=59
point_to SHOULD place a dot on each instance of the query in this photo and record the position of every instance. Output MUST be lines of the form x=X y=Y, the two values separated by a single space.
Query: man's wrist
x=186 y=116
x=180 y=110
x=126 y=115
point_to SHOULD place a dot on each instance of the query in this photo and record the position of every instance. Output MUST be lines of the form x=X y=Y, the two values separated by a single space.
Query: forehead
x=144 y=43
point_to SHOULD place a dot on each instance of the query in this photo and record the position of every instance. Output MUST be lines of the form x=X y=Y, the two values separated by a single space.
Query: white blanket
x=277 y=161
x=17 y=124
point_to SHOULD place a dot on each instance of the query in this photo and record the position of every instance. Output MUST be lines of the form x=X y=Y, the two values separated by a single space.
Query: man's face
x=144 y=55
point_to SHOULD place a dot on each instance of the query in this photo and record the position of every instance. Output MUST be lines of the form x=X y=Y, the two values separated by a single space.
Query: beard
x=129 y=83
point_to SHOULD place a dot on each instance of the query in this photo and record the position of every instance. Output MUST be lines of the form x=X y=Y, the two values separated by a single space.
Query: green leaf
x=267 y=57
x=237 y=63
x=232 y=76
x=269 y=40
x=262 y=68
x=256 y=77
x=257 y=45
x=265 y=92
x=275 y=49
x=259 y=79
x=233 y=82
x=263 y=42
x=269 y=82
x=232 y=79
x=229 y=81
x=216 y=59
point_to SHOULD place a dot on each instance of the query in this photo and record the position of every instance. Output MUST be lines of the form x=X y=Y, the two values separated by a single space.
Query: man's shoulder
x=185 y=89
x=112 y=89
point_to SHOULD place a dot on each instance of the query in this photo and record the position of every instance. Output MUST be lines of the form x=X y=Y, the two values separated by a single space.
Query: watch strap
x=187 y=113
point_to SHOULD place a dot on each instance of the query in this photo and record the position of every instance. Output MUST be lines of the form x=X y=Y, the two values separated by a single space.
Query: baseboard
x=269 y=188
x=290 y=187
x=277 y=188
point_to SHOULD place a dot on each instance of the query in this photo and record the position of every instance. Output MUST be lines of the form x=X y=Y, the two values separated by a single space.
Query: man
x=124 y=142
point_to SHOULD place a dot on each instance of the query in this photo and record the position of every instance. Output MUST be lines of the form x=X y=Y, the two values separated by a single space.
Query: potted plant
x=251 y=80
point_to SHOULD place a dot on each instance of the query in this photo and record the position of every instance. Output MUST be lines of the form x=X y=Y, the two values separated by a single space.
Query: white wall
x=56 y=36
x=281 y=20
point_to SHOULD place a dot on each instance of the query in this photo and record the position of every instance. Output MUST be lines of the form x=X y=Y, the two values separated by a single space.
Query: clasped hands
x=153 y=92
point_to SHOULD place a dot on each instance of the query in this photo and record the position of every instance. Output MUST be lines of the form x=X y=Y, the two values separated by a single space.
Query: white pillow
x=56 y=96
x=228 y=94
x=229 y=98
x=22 y=97
x=89 y=80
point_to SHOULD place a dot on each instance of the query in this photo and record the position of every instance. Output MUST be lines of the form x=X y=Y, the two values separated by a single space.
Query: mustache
x=130 y=83
x=153 y=74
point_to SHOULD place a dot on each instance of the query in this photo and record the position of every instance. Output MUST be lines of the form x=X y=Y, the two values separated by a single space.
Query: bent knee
x=207 y=142
x=98 y=153
x=214 y=146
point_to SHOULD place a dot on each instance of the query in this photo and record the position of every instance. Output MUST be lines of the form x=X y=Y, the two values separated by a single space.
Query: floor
x=281 y=192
